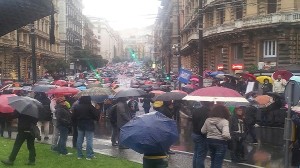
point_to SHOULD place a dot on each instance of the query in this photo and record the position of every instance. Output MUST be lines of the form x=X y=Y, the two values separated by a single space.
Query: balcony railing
x=253 y=22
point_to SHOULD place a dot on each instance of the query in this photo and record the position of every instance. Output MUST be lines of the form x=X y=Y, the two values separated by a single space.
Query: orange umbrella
x=264 y=100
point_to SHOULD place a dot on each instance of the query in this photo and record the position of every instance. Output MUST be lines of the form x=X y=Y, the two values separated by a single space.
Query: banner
x=184 y=76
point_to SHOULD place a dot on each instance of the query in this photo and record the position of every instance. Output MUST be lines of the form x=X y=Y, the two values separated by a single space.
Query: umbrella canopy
x=43 y=82
x=157 y=92
x=170 y=96
x=149 y=133
x=43 y=88
x=63 y=91
x=214 y=74
x=27 y=106
x=216 y=94
x=130 y=92
x=295 y=78
x=17 y=13
x=93 y=85
x=261 y=79
x=248 y=76
x=60 y=83
x=95 y=92
x=100 y=99
x=77 y=84
x=82 y=88
x=284 y=74
x=179 y=91
x=264 y=100
x=4 y=106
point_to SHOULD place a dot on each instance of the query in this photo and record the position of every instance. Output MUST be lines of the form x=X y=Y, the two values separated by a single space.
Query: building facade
x=248 y=32
x=18 y=44
x=70 y=26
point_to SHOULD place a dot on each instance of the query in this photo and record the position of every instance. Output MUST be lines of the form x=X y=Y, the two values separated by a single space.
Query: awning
x=15 y=14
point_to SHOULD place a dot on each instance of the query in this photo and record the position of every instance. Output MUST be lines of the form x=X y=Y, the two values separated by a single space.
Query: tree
x=56 y=66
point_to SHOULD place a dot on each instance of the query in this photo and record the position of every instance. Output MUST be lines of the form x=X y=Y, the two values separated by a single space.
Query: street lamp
x=176 y=52
x=33 y=56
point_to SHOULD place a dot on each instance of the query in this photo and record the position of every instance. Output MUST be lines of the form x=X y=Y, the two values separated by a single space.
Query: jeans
x=45 y=124
x=21 y=137
x=55 y=134
x=146 y=110
x=61 y=146
x=250 y=130
x=5 y=123
x=75 y=135
x=200 y=151
x=217 y=154
x=115 y=134
x=89 y=135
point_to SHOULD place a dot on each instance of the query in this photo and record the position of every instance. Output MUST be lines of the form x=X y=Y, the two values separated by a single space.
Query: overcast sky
x=123 y=14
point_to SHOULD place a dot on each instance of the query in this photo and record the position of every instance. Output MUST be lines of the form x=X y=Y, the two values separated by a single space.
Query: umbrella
x=27 y=88
x=149 y=133
x=43 y=88
x=236 y=104
x=17 y=13
x=179 y=91
x=231 y=76
x=248 y=75
x=170 y=96
x=99 y=99
x=130 y=92
x=261 y=79
x=60 y=83
x=214 y=74
x=194 y=79
x=77 y=84
x=264 y=100
x=214 y=94
x=93 y=85
x=157 y=92
x=81 y=88
x=95 y=92
x=4 y=106
x=42 y=82
x=284 y=74
x=295 y=78
x=63 y=91
x=27 y=106
x=220 y=76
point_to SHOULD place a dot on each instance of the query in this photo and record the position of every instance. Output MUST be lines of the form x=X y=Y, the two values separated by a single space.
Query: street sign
x=292 y=93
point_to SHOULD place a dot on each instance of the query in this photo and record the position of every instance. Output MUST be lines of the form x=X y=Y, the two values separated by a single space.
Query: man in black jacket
x=25 y=124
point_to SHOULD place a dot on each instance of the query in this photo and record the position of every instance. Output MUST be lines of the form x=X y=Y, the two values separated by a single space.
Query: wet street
x=267 y=153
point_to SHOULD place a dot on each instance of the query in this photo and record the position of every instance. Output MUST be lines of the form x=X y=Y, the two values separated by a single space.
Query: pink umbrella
x=63 y=91
x=194 y=79
x=284 y=74
x=60 y=83
x=216 y=94
x=4 y=106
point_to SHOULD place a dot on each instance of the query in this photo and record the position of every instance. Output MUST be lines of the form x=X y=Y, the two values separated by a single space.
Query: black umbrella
x=130 y=92
x=43 y=88
x=17 y=13
x=170 y=96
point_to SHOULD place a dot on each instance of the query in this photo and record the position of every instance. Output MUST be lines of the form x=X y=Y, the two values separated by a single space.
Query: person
x=216 y=127
x=85 y=114
x=199 y=115
x=266 y=86
x=176 y=109
x=25 y=125
x=112 y=115
x=45 y=122
x=146 y=104
x=250 y=120
x=6 y=122
x=108 y=103
x=296 y=144
x=237 y=132
x=279 y=85
x=55 y=134
x=64 y=125
x=123 y=115
x=241 y=86
x=227 y=83
x=133 y=106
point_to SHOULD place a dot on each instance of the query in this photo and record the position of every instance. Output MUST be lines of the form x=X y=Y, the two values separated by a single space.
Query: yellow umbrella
x=261 y=79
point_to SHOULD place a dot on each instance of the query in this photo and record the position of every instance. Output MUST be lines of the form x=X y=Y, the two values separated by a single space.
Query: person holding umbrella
x=279 y=85
x=266 y=86
x=25 y=124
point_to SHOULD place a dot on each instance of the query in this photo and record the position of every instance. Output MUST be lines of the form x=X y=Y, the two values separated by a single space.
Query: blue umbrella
x=214 y=74
x=295 y=78
x=81 y=88
x=150 y=133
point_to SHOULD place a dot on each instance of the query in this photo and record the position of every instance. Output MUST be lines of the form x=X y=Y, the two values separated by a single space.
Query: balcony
x=254 y=22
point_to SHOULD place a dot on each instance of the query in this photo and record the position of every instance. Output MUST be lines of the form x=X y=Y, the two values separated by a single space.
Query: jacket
x=236 y=127
x=25 y=122
x=63 y=116
x=279 y=86
x=123 y=113
x=84 y=114
x=250 y=115
x=216 y=128
x=42 y=97
x=199 y=115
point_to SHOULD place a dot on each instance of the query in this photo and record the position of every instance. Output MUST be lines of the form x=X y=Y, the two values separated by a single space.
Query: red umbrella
x=157 y=92
x=248 y=75
x=4 y=106
x=63 y=91
x=60 y=83
x=215 y=94
x=284 y=74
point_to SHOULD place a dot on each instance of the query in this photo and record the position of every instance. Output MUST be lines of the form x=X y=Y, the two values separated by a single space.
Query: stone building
x=243 y=33
x=10 y=51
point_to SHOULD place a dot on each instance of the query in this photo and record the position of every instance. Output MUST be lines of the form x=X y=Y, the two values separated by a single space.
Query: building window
x=270 y=48
x=221 y=16
x=209 y=19
x=272 y=6
x=238 y=51
x=239 y=10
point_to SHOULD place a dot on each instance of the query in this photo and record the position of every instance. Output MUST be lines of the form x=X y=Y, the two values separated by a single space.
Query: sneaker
x=68 y=154
x=88 y=158
x=7 y=162
x=79 y=158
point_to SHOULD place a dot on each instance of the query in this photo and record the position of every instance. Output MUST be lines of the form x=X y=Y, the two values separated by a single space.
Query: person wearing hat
x=64 y=125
